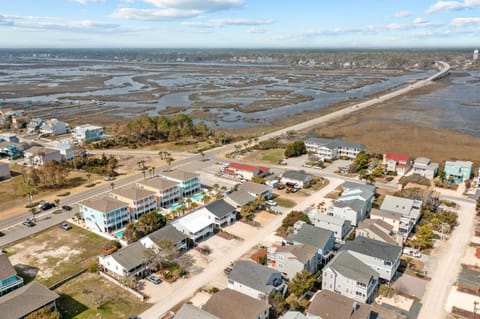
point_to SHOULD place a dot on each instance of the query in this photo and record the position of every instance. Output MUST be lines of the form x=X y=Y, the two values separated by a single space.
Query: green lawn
x=274 y=155
x=284 y=202
x=91 y=296
x=54 y=254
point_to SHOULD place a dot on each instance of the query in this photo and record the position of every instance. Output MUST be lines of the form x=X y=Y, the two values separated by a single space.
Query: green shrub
x=92 y=267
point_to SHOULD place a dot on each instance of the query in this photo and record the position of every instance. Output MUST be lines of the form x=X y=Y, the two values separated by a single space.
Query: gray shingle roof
x=335 y=143
x=158 y=183
x=253 y=275
x=220 y=208
x=351 y=267
x=104 y=204
x=132 y=192
x=397 y=205
x=297 y=175
x=374 y=248
x=303 y=252
x=169 y=233
x=366 y=190
x=132 y=256
x=179 y=175
x=6 y=268
x=355 y=204
x=241 y=197
x=188 y=311
x=25 y=300
x=231 y=304
x=254 y=188
x=311 y=235
x=329 y=305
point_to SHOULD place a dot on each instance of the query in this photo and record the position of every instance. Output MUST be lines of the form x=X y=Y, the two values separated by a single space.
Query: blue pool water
x=198 y=197
x=177 y=206
x=120 y=234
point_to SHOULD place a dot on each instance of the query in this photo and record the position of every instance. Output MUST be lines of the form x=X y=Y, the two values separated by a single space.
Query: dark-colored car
x=227 y=270
x=2 y=234
x=66 y=207
x=47 y=206
x=28 y=223
x=154 y=279
x=65 y=226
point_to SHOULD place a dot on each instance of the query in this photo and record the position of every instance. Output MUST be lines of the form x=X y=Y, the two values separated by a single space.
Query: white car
x=270 y=203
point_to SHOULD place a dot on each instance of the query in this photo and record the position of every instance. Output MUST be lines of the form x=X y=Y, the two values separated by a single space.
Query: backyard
x=54 y=254
x=271 y=156
x=91 y=296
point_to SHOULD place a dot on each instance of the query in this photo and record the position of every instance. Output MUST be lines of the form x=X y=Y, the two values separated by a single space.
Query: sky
x=239 y=23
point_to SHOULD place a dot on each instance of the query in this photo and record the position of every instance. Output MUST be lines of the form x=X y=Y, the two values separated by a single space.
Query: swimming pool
x=120 y=234
x=177 y=206
x=198 y=197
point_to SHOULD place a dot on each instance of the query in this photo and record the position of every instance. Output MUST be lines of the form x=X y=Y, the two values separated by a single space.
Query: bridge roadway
x=13 y=229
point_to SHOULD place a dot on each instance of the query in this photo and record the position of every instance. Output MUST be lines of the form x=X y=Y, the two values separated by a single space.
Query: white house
x=197 y=225
x=255 y=280
x=349 y=276
x=54 y=127
x=350 y=210
x=87 y=133
x=64 y=147
x=424 y=166
x=382 y=257
x=379 y=230
x=246 y=171
x=128 y=261
x=38 y=156
x=222 y=213
x=105 y=214
x=401 y=226
x=166 y=233
x=140 y=201
x=331 y=149
x=339 y=226
x=188 y=183
x=404 y=207
x=166 y=191
x=397 y=163
x=299 y=178
x=4 y=171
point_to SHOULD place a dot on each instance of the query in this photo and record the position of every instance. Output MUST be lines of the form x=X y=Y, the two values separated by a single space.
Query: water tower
x=475 y=56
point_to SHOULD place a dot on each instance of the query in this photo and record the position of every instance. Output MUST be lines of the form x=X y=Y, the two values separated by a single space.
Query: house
x=398 y=163
x=328 y=305
x=239 y=198
x=332 y=149
x=197 y=225
x=9 y=280
x=468 y=280
x=12 y=149
x=424 y=166
x=339 y=226
x=87 y=133
x=34 y=124
x=402 y=226
x=131 y=260
x=379 y=230
x=38 y=156
x=405 y=207
x=9 y=137
x=54 y=127
x=222 y=212
x=231 y=304
x=64 y=147
x=20 y=121
x=292 y=259
x=246 y=171
x=188 y=183
x=362 y=192
x=299 y=178
x=256 y=189
x=350 y=210
x=322 y=239
x=189 y=311
x=27 y=299
x=166 y=191
x=458 y=171
x=166 y=233
x=105 y=214
x=297 y=315
x=4 y=171
x=139 y=201
x=348 y=276
x=382 y=257
x=255 y=280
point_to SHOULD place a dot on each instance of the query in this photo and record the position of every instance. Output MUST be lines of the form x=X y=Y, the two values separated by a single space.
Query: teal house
x=458 y=171
x=9 y=280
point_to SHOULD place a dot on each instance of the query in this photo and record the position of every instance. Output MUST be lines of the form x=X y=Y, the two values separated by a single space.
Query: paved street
x=188 y=288
x=448 y=263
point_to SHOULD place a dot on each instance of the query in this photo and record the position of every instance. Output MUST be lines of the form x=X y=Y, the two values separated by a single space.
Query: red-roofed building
x=397 y=163
x=246 y=171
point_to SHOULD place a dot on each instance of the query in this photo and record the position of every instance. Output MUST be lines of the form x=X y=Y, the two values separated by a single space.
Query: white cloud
x=88 y=1
x=257 y=30
x=153 y=14
x=402 y=14
x=419 y=21
x=453 y=5
x=200 y=5
x=460 y=22
x=218 y=23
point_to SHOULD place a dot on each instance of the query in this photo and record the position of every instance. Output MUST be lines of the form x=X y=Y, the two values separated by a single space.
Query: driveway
x=223 y=253
x=410 y=285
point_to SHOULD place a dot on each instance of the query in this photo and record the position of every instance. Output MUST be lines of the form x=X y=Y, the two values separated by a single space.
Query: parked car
x=154 y=279
x=66 y=207
x=271 y=203
x=28 y=223
x=46 y=206
x=227 y=270
x=2 y=234
x=412 y=252
x=65 y=226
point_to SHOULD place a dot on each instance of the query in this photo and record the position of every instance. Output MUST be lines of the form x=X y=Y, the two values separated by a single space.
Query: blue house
x=322 y=239
x=458 y=171
x=105 y=214
x=9 y=280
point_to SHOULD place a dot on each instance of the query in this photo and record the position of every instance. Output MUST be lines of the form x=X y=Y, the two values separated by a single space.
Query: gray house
x=349 y=276
x=222 y=212
x=331 y=149
x=166 y=233
x=404 y=207
x=255 y=280
x=189 y=311
x=128 y=261
x=231 y=304
x=300 y=178
x=292 y=259
x=379 y=230
x=382 y=257
x=239 y=198
x=339 y=226
x=424 y=166
x=322 y=239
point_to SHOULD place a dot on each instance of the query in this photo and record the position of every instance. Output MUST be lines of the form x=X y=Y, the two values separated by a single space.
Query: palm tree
x=144 y=174
x=169 y=161
x=112 y=185
x=57 y=202
x=33 y=211
x=151 y=170
x=89 y=176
